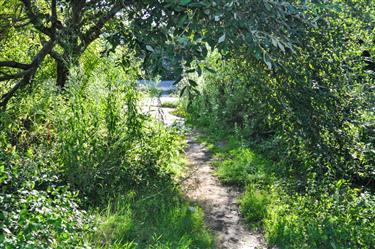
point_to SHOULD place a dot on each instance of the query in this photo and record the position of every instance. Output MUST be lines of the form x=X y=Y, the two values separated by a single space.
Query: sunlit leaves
x=221 y=39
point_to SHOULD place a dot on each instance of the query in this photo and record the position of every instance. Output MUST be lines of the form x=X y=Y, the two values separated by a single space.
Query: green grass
x=169 y=104
x=242 y=166
x=238 y=164
x=150 y=220
x=180 y=112
x=339 y=218
x=254 y=204
x=161 y=221
x=323 y=215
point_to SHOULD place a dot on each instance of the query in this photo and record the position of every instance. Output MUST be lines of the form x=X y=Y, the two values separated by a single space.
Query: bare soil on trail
x=219 y=202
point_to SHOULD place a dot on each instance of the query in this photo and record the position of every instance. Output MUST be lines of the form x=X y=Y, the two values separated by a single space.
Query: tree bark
x=68 y=33
x=62 y=74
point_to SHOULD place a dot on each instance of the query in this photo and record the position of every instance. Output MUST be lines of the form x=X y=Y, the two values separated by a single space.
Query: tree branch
x=35 y=20
x=54 y=20
x=14 y=64
x=28 y=74
x=42 y=53
x=7 y=96
x=95 y=30
x=56 y=56
x=15 y=76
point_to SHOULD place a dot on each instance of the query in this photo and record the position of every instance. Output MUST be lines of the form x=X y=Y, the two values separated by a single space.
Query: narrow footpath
x=219 y=202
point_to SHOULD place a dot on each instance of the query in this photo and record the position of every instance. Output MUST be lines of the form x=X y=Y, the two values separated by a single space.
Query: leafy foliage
x=65 y=151
x=340 y=218
x=319 y=102
x=37 y=210
x=291 y=79
x=311 y=115
x=165 y=34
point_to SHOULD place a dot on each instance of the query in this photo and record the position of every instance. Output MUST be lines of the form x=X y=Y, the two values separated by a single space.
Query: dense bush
x=107 y=146
x=65 y=150
x=316 y=106
x=37 y=209
x=312 y=117
x=339 y=218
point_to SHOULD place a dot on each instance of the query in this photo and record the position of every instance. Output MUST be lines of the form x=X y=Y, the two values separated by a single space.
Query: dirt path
x=219 y=202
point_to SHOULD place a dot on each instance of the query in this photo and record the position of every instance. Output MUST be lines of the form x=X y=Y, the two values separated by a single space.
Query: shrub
x=318 y=102
x=37 y=210
x=64 y=150
x=254 y=204
x=339 y=218
x=241 y=167
x=106 y=144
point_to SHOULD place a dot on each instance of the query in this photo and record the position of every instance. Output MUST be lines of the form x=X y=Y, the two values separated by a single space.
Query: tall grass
x=66 y=154
x=163 y=221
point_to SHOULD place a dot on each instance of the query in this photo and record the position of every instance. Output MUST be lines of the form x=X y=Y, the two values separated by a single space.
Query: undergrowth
x=298 y=138
x=325 y=215
x=66 y=154
x=169 y=104
x=147 y=221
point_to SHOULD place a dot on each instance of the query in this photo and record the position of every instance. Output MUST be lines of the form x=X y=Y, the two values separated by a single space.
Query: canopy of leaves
x=154 y=30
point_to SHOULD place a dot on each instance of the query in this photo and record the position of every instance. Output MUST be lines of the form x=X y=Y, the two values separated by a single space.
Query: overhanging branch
x=35 y=19
x=7 y=96
x=94 y=32
x=14 y=64
x=27 y=74
x=15 y=76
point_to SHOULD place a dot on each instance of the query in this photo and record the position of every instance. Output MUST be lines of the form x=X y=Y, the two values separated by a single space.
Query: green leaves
x=182 y=20
x=149 y=48
x=184 y=2
x=193 y=83
x=221 y=39
x=277 y=43
x=34 y=211
x=3 y=174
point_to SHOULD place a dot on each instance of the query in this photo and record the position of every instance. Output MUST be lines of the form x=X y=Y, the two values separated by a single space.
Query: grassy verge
x=169 y=104
x=180 y=111
x=324 y=215
x=153 y=219
x=66 y=155
x=163 y=219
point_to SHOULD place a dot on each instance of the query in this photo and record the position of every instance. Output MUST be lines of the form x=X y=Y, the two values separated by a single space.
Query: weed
x=164 y=221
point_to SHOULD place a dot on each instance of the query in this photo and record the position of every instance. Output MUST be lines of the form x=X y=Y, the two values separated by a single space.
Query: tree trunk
x=62 y=74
